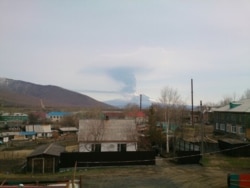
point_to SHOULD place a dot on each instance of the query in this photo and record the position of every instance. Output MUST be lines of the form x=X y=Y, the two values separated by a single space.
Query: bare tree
x=92 y=133
x=132 y=135
x=69 y=121
x=170 y=99
x=225 y=101
x=246 y=94
x=96 y=130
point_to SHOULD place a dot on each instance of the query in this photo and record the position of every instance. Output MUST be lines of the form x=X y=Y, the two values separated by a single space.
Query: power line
x=168 y=159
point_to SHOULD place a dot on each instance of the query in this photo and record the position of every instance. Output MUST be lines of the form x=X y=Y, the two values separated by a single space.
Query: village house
x=4 y=137
x=56 y=116
x=14 y=117
x=233 y=119
x=42 y=131
x=116 y=135
x=139 y=117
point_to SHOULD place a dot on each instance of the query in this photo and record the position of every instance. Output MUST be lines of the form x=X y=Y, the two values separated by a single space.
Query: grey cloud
x=126 y=76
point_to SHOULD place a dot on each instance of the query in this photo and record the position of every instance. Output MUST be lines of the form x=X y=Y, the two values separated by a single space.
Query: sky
x=113 y=49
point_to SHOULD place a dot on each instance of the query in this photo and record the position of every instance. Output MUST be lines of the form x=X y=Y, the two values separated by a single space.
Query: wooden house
x=233 y=119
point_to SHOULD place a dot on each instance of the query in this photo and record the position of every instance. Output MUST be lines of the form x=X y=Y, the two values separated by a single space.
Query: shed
x=45 y=159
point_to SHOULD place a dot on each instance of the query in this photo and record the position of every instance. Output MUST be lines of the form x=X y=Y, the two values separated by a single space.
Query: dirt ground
x=164 y=174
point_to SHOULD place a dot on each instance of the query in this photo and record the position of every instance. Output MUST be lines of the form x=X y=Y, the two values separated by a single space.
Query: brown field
x=18 y=154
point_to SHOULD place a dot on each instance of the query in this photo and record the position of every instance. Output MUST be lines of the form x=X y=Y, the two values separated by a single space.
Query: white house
x=117 y=135
x=4 y=137
x=42 y=131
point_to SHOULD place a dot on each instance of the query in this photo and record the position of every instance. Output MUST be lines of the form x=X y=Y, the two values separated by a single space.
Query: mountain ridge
x=22 y=93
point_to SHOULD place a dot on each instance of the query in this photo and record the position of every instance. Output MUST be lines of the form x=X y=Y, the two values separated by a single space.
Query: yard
x=212 y=173
x=163 y=174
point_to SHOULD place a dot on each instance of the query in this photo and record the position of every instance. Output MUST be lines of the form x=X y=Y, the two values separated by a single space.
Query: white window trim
x=222 y=127
x=239 y=130
x=234 y=129
x=229 y=128
x=217 y=126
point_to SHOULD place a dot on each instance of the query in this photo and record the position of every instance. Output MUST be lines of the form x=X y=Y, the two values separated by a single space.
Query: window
x=240 y=130
x=229 y=128
x=222 y=127
x=122 y=147
x=96 y=147
x=233 y=129
x=217 y=126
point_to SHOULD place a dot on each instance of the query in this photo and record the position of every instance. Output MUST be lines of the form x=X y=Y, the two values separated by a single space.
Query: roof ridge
x=45 y=151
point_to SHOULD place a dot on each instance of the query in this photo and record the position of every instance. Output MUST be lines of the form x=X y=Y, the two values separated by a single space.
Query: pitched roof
x=49 y=149
x=239 y=106
x=113 y=130
x=27 y=133
x=64 y=129
x=58 y=113
x=38 y=128
x=136 y=114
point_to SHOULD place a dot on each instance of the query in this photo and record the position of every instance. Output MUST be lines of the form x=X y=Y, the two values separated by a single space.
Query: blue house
x=56 y=116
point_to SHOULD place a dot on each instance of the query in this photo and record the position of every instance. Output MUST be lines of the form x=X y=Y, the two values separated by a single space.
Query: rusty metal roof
x=49 y=149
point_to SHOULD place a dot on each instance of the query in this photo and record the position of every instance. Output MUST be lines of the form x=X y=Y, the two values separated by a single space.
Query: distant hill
x=135 y=99
x=20 y=93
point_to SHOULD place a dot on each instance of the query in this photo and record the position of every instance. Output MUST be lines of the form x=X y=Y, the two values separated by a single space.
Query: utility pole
x=167 y=129
x=202 y=129
x=192 y=104
x=140 y=102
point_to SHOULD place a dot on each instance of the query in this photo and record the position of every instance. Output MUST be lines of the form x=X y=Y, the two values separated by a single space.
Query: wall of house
x=109 y=147
x=131 y=147
x=105 y=147
x=248 y=133
x=83 y=147
x=42 y=164
x=232 y=123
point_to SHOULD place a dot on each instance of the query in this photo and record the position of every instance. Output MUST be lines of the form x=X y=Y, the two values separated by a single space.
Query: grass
x=222 y=161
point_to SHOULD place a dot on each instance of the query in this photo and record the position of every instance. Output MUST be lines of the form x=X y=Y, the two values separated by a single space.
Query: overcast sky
x=110 y=49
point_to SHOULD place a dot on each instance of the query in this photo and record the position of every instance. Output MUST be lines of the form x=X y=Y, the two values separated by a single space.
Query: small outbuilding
x=45 y=159
x=68 y=130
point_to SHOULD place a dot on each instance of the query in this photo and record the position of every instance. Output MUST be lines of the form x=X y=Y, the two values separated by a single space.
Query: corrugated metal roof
x=239 y=106
x=38 y=128
x=27 y=133
x=58 y=113
x=49 y=149
x=107 y=130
